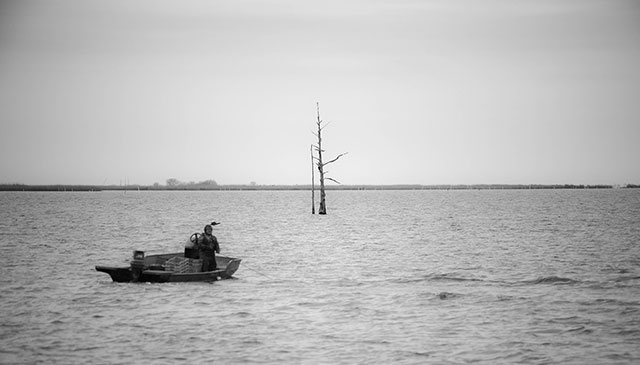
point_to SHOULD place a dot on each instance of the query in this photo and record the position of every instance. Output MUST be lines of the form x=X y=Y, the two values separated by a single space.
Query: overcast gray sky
x=424 y=92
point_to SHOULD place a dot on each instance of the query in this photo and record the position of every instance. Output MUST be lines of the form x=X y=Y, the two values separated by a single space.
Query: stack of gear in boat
x=183 y=265
x=176 y=264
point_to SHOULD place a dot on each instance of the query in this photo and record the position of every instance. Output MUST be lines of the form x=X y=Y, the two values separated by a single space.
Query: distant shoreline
x=196 y=187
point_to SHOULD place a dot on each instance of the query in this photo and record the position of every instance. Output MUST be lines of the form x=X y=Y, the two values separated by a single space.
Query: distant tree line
x=23 y=187
x=212 y=185
x=172 y=183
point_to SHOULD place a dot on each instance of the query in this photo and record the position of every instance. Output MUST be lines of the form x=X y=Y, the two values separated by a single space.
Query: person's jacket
x=208 y=245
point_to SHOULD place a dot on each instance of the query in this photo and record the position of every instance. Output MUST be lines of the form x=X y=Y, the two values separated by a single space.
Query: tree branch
x=334 y=180
x=335 y=159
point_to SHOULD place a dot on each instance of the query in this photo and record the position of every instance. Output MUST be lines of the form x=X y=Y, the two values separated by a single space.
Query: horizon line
x=239 y=187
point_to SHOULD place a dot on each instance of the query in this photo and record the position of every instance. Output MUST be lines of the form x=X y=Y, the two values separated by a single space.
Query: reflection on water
x=387 y=276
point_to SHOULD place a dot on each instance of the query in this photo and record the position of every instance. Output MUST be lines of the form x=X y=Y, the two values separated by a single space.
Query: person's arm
x=216 y=245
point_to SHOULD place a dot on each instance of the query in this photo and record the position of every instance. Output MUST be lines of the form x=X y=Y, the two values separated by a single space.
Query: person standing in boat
x=207 y=248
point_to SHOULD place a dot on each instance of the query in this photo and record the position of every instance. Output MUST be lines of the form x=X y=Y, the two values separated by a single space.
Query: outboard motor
x=137 y=265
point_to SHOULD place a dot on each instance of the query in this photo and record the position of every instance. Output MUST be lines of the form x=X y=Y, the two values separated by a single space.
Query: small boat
x=170 y=268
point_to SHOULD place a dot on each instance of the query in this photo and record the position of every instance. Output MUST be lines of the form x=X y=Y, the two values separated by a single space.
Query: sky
x=416 y=92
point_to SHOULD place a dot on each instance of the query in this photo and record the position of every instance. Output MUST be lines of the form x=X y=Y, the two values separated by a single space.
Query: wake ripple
x=450 y=277
x=456 y=278
x=436 y=277
x=551 y=280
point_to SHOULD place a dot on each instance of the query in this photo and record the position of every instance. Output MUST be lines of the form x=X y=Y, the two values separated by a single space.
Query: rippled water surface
x=513 y=276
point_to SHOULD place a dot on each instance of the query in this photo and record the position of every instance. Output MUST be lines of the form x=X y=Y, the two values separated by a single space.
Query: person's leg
x=208 y=263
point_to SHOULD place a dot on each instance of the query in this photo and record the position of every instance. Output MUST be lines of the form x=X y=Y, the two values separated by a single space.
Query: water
x=407 y=277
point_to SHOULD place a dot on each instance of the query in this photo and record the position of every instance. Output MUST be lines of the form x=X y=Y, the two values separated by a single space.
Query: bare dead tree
x=321 y=166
